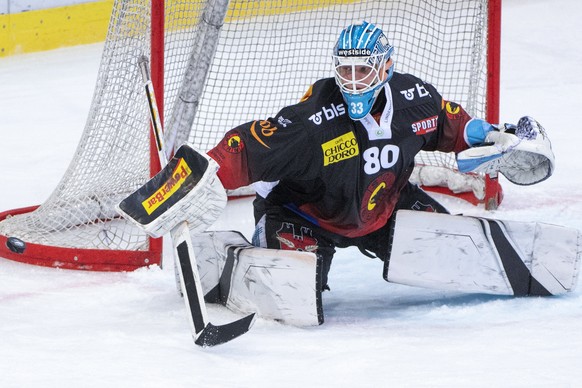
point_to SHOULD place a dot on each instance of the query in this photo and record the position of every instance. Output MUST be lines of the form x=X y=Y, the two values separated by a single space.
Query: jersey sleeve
x=450 y=136
x=264 y=150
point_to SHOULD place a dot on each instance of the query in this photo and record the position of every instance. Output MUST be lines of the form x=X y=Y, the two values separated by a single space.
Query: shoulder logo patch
x=233 y=143
x=452 y=110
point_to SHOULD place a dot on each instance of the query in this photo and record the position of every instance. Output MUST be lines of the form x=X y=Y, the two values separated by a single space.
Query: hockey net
x=267 y=54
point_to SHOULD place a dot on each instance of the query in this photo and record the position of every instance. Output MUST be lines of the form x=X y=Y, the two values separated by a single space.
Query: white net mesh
x=268 y=54
x=266 y=62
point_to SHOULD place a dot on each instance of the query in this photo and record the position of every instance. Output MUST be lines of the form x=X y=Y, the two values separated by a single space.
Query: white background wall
x=15 y=6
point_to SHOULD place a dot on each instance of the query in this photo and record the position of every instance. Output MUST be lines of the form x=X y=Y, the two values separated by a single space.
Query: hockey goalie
x=333 y=171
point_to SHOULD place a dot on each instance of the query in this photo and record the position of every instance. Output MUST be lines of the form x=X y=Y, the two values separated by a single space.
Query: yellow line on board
x=86 y=23
x=239 y=9
x=52 y=28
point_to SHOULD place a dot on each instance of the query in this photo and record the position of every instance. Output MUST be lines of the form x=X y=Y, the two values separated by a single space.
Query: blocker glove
x=187 y=189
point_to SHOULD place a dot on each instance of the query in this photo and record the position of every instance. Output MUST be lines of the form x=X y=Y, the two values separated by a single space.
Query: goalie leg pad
x=187 y=189
x=276 y=284
x=474 y=254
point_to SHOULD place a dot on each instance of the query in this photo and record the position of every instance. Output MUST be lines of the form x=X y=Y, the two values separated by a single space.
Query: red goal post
x=246 y=60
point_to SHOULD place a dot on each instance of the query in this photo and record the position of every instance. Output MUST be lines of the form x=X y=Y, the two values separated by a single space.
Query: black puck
x=16 y=245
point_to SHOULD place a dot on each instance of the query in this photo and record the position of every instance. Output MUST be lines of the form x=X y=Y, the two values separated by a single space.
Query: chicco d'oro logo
x=340 y=148
x=330 y=113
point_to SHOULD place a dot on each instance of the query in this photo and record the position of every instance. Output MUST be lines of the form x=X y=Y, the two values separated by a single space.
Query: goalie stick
x=204 y=332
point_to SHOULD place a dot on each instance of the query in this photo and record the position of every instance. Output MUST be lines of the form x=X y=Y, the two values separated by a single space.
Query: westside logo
x=354 y=52
x=340 y=148
x=181 y=172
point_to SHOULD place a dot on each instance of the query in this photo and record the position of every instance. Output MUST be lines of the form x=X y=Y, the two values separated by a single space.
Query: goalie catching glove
x=187 y=189
x=522 y=153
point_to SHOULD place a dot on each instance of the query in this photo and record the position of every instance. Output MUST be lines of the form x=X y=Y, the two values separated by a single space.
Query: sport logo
x=340 y=148
x=425 y=126
x=330 y=113
x=181 y=172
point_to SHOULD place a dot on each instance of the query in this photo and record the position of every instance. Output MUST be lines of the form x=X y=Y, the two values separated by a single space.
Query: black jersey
x=342 y=175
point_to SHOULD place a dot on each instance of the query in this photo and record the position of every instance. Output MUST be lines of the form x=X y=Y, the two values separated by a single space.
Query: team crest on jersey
x=424 y=126
x=452 y=110
x=233 y=143
x=374 y=201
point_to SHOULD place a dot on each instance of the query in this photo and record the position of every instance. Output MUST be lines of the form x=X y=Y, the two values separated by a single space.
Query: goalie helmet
x=359 y=59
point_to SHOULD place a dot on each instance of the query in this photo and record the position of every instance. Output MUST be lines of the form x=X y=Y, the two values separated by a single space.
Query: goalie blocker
x=474 y=254
x=186 y=189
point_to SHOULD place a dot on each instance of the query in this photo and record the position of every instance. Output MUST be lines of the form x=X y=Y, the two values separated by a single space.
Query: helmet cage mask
x=359 y=59
x=358 y=75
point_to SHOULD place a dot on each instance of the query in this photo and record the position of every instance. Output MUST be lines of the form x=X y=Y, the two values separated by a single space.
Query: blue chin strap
x=360 y=104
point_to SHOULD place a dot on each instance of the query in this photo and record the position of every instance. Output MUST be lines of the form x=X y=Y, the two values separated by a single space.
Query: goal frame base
x=101 y=260
x=490 y=203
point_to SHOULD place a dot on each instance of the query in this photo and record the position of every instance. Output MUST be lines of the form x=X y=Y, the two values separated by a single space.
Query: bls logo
x=409 y=93
x=330 y=113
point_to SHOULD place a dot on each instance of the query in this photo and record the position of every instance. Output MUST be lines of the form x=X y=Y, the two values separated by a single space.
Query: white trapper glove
x=522 y=152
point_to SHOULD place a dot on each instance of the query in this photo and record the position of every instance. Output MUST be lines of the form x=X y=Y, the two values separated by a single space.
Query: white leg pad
x=473 y=254
x=276 y=284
